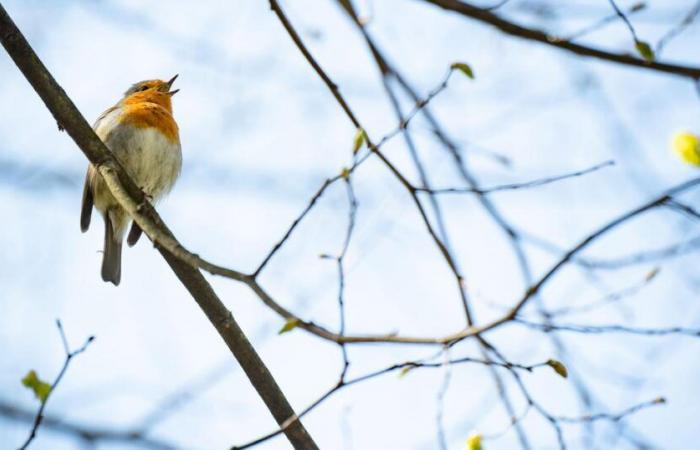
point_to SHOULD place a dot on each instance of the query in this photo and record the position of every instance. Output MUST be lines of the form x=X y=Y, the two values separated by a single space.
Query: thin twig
x=89 y=435
x=642 y=257
x=517 y=186
x=600 y=329
x=608 y=299
x=410 y=188
x=613 y=417
x=671 y=34
x=340 y=260
x=543 y=37
x=403 y=368
x=296 y=222
x=624 y=18
x=442 y=393
x=70 y=354
x=604 y=21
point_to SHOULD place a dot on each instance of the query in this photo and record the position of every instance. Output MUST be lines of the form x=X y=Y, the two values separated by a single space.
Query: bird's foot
x=147 y=199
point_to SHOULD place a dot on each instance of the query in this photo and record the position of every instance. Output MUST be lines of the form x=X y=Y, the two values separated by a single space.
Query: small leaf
x=289 y=325
x=558 y=367
x=638 y=7
x=474 y=442
x=404 y=370
x=345 y=173
x=687 y=147
x=652 y=274
x=645 y=50
x=360 y=138
x=464 y=68
x=40 y=388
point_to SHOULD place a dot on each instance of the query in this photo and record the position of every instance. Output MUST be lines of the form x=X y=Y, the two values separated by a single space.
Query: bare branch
x=84 y=433
x=70 y=354
x=604 y=21
x=614 y=417
x=402 y=367
x=624 y=18
x=296 y=222
x=600 y=329
x=274 y=5
x=535 y=35
x=665 y=197
x=517 y=186
x=608 y=299
x=641 y=257
x=678 y=29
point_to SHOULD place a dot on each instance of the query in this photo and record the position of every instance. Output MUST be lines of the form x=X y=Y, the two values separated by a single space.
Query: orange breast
x=150 y=115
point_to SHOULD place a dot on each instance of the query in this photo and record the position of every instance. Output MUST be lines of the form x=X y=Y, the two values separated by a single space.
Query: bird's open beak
x=170 y=83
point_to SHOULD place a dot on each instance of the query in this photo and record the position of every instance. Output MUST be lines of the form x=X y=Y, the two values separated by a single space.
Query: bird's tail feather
x=112 y=257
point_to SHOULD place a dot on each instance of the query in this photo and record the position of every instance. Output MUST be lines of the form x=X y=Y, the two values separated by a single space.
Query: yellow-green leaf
x=645 y=50
x=360 y=138
x=558 y=367
x=404 y=370
x=464 y=68
x=289 y=325
x=40 y=388
x=345 y=173
x=474 y=442
x=687 y=147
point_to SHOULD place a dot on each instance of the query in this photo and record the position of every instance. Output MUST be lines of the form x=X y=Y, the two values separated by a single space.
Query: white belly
x=152 y=160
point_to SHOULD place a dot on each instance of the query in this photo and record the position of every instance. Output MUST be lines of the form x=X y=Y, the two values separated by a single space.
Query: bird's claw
x=147 y=199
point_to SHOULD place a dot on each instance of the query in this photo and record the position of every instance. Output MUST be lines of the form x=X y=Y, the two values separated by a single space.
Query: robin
x=141 y=133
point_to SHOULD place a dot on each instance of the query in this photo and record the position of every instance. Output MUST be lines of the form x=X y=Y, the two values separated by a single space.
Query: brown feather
x=134 y=234
x=112 y=257
x=86 y=208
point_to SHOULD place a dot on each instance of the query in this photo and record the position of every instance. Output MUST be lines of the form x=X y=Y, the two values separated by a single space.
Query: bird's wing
x=103 y=116
x=105 y=121
x=86 y=208
x=134 y=234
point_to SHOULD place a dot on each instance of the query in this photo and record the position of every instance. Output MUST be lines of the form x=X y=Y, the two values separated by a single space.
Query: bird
x=142 y=134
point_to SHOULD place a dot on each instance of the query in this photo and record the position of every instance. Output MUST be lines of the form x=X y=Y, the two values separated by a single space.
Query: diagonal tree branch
x=70 y=119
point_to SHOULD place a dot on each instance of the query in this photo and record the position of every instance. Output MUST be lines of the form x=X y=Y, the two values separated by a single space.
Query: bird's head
x=155 y=91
